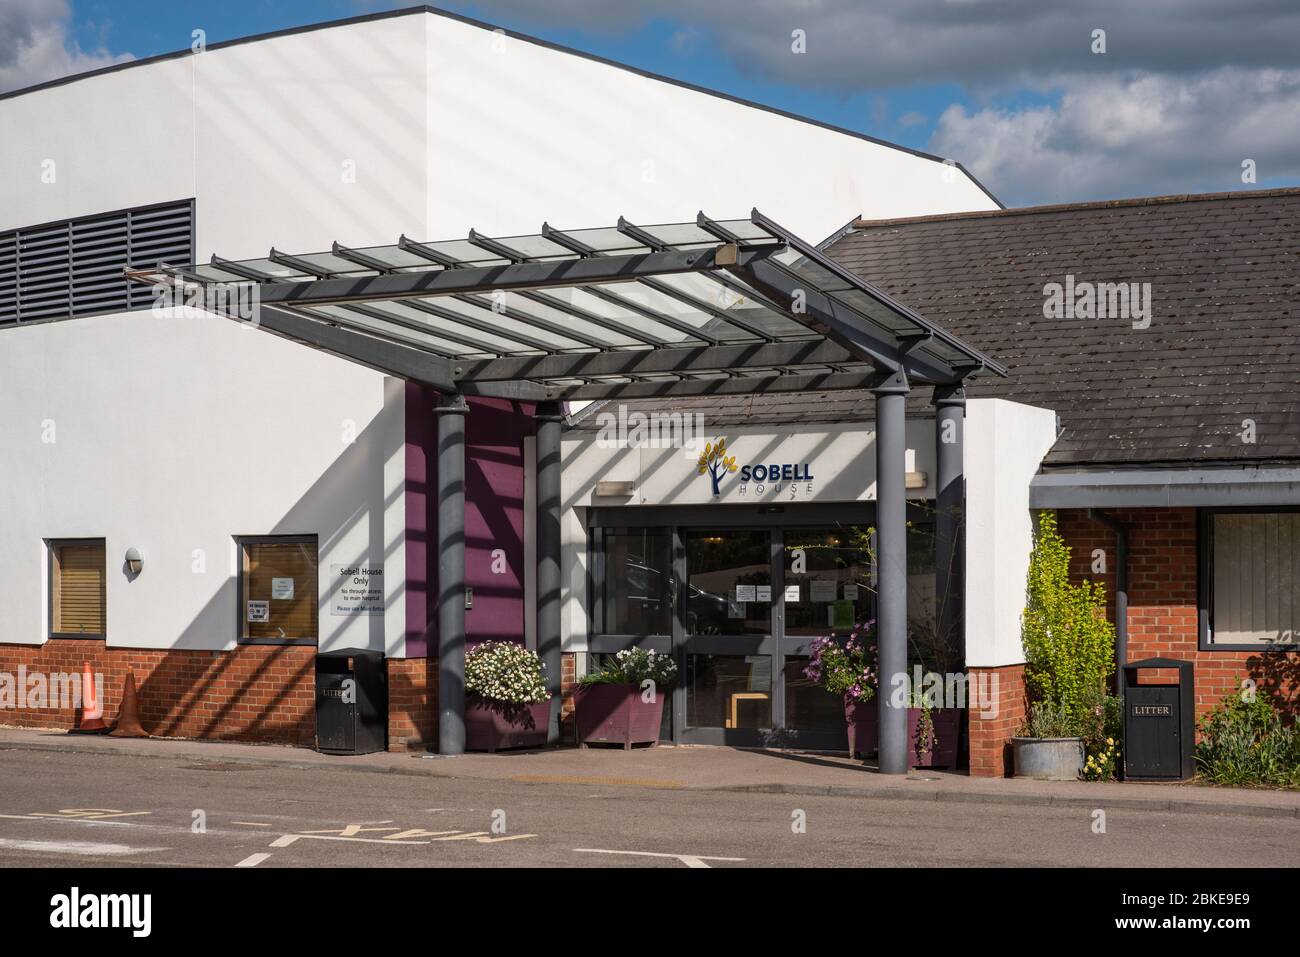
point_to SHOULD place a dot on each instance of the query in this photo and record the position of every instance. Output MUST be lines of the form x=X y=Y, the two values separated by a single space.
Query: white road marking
x=252 y=823
x=285 y=840
x=76 y=847
x=252 y=860
x=690 y=860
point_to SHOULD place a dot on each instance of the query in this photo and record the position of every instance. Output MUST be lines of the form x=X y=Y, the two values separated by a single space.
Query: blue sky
x=1177 y=99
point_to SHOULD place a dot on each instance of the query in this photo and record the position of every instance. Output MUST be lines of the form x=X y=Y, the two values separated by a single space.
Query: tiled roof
x=1223 y=344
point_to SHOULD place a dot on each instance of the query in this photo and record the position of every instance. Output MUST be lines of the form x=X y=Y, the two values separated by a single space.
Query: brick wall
x=568 y=681
x=1162 y=613
x=255 y=693
x=994 y=723
x=412 y=703
x=260 y=693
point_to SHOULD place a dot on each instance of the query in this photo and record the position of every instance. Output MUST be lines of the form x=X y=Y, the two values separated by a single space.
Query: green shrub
x=1244 y=742
x=1069 y=645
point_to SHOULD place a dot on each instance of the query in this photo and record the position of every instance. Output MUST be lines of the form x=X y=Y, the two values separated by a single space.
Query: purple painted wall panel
x=494 y=519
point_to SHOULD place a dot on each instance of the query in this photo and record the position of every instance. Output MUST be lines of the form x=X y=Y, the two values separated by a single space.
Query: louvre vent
x=74 y=268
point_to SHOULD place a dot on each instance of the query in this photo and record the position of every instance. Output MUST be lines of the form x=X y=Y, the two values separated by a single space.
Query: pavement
x=77 y=802
x=694 y=768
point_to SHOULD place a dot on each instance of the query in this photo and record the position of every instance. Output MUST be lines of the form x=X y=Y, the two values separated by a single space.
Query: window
x=74 y=267
x=637 y=582
x=77 y=608
x=277 y=590
x=1251 y=578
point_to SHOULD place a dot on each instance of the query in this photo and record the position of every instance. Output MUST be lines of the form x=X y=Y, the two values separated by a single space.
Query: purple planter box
x=494 y=725
x=943 y=739
x=615 y=714
x=863 y=722
x=864 y=727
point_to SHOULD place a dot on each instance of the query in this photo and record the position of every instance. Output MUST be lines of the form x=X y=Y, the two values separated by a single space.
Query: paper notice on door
x=764 y=593
x=281 y=589
x=259 y=611
x=791 y=594
x=822 y=589
x=746 y=593
x=850 y=591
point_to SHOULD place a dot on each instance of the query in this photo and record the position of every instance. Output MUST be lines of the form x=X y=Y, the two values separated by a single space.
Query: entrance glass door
x=727 y=638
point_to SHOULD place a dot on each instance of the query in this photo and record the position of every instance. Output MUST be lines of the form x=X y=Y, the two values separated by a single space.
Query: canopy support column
x=949 y=521
x=891 y=563
x=549 y=421
x=451 y=574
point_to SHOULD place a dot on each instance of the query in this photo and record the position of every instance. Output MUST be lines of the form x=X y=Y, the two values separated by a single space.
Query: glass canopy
x=588 y=313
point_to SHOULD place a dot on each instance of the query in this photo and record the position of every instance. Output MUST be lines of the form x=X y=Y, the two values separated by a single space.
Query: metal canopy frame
x=686 y=309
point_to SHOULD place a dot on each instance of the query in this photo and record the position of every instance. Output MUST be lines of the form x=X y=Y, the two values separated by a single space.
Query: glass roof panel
x=666 y=305
x=397 y=257
x=491 y=342
x=746 y=308
x=411 y=336
x=537 y=247
x=610 y=337
x=607 y=239
x=505 y=324
x=581 y=297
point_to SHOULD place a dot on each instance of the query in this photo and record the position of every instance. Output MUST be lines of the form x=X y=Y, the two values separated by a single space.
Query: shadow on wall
x=264 y=693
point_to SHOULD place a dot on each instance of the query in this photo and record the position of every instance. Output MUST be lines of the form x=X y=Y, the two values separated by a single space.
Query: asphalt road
x=67 y=810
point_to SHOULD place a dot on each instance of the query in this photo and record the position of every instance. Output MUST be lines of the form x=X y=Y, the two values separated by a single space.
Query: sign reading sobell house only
x=357 y=589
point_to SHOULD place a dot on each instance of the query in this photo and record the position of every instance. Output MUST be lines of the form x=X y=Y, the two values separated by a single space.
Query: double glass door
x=738 y=607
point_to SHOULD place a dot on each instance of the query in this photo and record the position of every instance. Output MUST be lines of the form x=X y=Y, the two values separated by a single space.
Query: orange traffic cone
x=128 y=718
x=92 y=709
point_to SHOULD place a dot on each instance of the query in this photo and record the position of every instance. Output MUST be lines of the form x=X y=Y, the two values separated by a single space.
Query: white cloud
x=1133 y=135
x=35 y=44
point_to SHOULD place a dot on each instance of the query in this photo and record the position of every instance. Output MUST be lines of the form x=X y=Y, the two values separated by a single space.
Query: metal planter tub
x=495 y=725
x=1048 y=759
x=616 y=714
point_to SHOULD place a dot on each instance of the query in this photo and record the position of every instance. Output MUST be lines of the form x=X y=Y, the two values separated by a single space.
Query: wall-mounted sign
x=791 y=593
x=357 y=589
x=764 y=593
x=762 y=479
x=281 y=589
x=746 y=593
x=850 y=591
x=259 y=611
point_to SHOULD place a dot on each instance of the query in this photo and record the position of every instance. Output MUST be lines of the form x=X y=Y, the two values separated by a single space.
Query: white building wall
x=156 y=432
x=539 y=134
x=179 y=434
x=1005 y=443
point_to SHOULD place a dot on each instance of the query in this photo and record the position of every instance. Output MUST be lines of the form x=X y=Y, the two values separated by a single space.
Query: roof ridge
x=1088 y=204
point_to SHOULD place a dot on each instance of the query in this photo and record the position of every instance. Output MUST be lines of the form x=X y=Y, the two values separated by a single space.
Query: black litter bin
x=351 y=701
x=1159 y=723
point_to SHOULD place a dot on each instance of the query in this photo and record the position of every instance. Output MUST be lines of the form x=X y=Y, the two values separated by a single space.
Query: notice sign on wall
x=281 y=589
x=259 y=611
x=357 y=589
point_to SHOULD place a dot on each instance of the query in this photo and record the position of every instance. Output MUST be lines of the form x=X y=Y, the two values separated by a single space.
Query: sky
x=1043 y=101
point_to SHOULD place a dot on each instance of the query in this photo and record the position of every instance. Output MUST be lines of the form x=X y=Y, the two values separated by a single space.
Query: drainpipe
x=1121 y=589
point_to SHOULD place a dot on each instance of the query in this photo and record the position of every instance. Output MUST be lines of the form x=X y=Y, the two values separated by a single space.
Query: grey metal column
x=451 y=574
x=549 y=422
x=891 y=561
x=949 y=520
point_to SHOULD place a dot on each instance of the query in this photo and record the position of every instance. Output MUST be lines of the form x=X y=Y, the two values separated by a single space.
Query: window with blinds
x=278 y=589
x=77 y=589
x=1255 y=578
x=74 y=268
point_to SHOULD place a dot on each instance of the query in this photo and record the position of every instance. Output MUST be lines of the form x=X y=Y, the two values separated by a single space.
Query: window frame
x=240 y=611
x=1205 y=580
x=51 y=546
